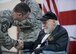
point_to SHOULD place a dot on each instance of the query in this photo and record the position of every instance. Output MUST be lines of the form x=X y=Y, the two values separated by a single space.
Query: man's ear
x=26 y=15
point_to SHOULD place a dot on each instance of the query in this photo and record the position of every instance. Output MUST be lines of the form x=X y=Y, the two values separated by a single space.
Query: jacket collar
x=55 y=30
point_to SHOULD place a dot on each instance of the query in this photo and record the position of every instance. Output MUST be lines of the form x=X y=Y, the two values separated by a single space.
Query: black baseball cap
x=48 y=15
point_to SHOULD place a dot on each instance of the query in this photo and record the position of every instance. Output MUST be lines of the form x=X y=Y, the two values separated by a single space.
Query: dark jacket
x=0 y=51
x=58 y=43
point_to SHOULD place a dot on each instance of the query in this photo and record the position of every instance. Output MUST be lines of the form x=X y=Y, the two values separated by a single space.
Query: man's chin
x=45 y=30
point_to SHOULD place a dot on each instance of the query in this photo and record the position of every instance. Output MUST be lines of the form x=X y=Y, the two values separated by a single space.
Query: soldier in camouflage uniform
x=31 y=26
x=20 y=12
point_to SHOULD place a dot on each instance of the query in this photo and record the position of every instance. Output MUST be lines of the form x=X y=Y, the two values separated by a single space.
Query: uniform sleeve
x=4 y=26
x=1 y=38
x=9 y=42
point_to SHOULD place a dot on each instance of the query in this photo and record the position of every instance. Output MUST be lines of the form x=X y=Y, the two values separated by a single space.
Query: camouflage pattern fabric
x=31 y=26
x=5 y=24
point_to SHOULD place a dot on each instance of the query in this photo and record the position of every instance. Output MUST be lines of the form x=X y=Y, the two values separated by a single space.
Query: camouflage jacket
x=31 y=26
x=5 y=24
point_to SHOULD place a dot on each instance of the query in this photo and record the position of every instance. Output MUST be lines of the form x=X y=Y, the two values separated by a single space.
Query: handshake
x=19 y=44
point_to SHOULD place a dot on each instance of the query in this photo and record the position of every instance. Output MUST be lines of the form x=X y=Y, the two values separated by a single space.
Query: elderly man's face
x=19 y=16
x=48 y=26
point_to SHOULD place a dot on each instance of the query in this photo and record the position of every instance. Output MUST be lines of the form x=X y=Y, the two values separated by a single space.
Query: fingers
x=32 y=53
x=19 y=44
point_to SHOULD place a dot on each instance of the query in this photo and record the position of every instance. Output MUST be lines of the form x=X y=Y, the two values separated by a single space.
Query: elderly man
x=52 y=39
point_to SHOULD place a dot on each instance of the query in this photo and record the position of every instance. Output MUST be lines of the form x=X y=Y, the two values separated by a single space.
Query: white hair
x=50 y=28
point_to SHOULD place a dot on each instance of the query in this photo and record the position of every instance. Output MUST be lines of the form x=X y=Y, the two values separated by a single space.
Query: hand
x=32 y=53
x=19 y=44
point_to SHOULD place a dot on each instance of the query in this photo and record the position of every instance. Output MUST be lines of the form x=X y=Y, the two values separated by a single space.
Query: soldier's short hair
x=22 y=8
x=22 y=0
